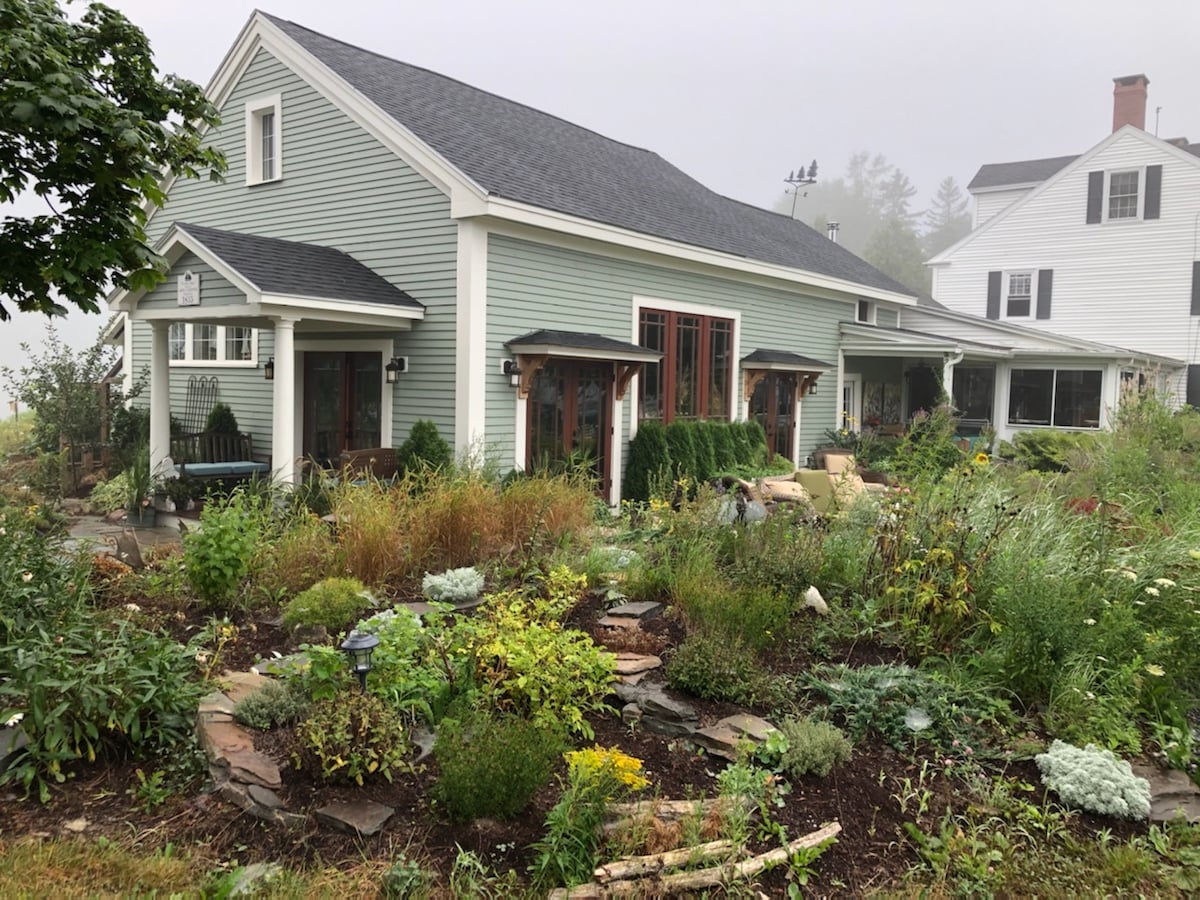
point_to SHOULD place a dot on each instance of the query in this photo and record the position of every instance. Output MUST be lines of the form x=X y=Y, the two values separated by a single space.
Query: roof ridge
x=459 y=81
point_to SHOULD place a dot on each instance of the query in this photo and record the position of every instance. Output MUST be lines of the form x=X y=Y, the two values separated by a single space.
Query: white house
x=1101 y=247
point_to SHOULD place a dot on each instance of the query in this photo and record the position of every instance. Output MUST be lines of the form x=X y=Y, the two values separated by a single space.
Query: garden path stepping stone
x=1172 y=794
x=362 y=817
x=753 y=727
x=661 y=713
x=216 y=707
x=723 y=738
x=237 y=685
x=633 y=663
x=639 y=609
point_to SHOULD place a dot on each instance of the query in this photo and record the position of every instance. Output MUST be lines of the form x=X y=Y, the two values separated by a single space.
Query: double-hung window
x=1020 y=295
x=1123 y=194
x=206 y=344
x=264 y=139
x=694 y=380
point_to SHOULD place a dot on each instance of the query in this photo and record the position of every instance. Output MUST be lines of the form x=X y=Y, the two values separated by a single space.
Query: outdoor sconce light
x=269 y=369
x=358 y=647
x=509 y=367
x=396 y=367
x=812 y=389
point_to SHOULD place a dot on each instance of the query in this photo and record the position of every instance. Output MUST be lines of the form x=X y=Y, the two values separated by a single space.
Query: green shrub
x=743 y=449
x=353 y=737
x=272 y=704
x=334 y=603
x=109 y=495
x=928 y=448
x=812 y=747
x=706 y=458
x=1049 y=450
x=724 y=457
x=1094 y=780
x=221 y=420
x=713 y=666
x=756 y=436
x=491 y=766
x=681 y=450
x=217 y=555
x=424 y=449
x=649 y=461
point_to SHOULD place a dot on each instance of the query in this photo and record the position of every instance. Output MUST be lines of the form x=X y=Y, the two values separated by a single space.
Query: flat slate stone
x=655 y=702
x=620 y=622
x=635 y=678
x=241 y=684
x=640 y=609
x=633 y=663
x=264 y=797
x=363 y=817
x=753 y=727
x=1172 y=794
x=719 y=740
x=251 y=767
x=216 y=703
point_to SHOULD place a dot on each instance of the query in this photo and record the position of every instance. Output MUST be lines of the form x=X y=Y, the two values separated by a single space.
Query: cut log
x=637 y=866
x=730 y=872
x=624 y=815
x=579 y=892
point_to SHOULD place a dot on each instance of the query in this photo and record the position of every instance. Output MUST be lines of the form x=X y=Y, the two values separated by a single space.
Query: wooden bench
x=210 y=454
x=374 y=462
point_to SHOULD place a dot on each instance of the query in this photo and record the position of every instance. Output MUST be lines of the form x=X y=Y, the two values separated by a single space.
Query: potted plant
x=139 y=492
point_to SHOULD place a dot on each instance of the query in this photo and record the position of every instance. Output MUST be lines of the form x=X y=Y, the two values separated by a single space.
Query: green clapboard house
x=390 y=244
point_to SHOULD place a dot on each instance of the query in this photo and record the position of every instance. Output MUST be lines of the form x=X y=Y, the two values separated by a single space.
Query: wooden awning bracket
x=806 y=382
x=625 y=373
x=751 y=379
x=528 y=366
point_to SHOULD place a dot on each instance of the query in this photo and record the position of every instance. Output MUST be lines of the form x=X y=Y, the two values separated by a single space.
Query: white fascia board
x=649 y=356
x=784 y=367
x=537 y=217
x=995 y=189
x=1080 y=162
x=247 y=313
x=171 y=248
x=324 y=304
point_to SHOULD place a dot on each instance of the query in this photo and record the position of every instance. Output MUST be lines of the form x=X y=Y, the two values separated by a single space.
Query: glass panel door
x=569 y=418
x=343 y=394
x=773 y=405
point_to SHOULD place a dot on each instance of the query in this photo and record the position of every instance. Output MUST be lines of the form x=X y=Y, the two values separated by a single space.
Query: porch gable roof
x=784 y=361
x=582 y=345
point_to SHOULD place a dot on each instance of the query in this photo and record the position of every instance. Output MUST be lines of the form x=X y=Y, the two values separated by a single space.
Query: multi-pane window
x=1020 y=293
x=1064 y=398
x=190 y=343
x=177 y=340
x=266 y=125
x=237 y=342
x=204 y=342
x=1123 y=195
x=695 y=378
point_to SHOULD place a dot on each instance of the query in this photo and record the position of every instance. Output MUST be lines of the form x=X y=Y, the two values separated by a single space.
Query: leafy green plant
x=492 y=765
x=334 y=603
x=1095 y=780
x=714 y=666
x=595 y=778
x=353 y=737
x=150 y=791
x=217 y=556
x=424 y=449
x=110 y=495
x=404 y=878
x=221 y=420
x=272 y=704
x=812 y=747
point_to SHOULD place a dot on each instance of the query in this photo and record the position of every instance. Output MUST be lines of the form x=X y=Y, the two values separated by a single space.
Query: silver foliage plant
x=1094 y=780
x=453 y=586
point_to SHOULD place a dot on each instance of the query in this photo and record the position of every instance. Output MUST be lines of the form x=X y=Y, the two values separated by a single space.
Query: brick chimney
x=1129 y=101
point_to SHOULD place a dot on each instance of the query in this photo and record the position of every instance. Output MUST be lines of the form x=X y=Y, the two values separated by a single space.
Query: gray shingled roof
x=579 y=340
x=1032 y=171
x=522 y=154
x=276 y=266
x=784 y=357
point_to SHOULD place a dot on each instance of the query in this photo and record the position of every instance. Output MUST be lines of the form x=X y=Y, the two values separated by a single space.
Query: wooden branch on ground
x=626 y=815
x=637 y=866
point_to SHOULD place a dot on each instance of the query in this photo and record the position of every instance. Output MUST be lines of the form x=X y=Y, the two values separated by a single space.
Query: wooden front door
x=343 y=395
x=570 y=418
x=773 y=406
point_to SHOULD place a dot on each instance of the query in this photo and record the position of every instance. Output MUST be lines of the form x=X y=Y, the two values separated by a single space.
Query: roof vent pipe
x=831 y=229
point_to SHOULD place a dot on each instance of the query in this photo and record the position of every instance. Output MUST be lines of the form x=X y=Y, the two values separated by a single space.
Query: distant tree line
x=872 y=204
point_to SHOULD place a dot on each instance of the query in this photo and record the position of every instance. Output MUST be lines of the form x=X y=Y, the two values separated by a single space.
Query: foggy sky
x=739 y=93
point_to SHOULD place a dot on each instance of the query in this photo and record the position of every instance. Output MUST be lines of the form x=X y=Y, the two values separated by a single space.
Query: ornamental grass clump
x=1094 y=780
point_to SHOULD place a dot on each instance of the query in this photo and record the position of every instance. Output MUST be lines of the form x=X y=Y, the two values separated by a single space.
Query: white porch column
x=160 y=395
x=283 y=427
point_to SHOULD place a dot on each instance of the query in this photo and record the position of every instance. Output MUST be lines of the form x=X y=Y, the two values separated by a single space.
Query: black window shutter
x=993 y=300
x=1153 y=192
x=1045 y=286
x=1196 y=287
x=1193 y=386
x=1095 y=196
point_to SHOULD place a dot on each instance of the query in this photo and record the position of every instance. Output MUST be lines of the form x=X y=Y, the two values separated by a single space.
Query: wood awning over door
x=756 y=365
x=532 y=351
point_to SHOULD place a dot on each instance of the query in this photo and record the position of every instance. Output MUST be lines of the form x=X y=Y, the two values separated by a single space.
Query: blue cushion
x=219 y=469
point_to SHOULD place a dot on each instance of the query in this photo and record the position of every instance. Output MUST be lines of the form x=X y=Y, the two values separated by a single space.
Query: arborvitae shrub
x=649 y=459
x=221 y=420
x=757 y=436
x=706 y=461
x=424 y=449
x=722 y=443
x=681 y=449
x=742 y=452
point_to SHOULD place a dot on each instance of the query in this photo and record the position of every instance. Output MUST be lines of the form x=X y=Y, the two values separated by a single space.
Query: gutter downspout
x=949 y=361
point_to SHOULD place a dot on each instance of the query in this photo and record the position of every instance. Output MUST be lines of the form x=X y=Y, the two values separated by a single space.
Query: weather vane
x=801 y=178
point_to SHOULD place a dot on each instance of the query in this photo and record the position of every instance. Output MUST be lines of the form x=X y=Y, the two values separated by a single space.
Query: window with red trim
x=695 y=378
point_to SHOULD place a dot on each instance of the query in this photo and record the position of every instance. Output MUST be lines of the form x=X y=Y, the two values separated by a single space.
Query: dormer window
x=264 y=140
